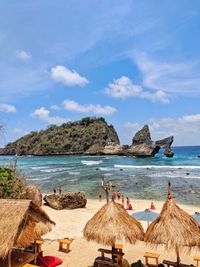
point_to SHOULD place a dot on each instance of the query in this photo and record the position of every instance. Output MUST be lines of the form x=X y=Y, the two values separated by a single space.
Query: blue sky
x=132 y=62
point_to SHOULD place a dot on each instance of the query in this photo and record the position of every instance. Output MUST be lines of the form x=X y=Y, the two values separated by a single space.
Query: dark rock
x=169 y=153
x=33 y=193
x=143 y=150
x=143 y=136
x=142 y=146
x=70 y=200
x=166 y=144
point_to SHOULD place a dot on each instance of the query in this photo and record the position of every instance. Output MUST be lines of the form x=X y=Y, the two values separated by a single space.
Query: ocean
x=141 y=178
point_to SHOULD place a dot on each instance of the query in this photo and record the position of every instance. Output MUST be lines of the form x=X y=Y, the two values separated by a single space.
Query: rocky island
x=92 y=136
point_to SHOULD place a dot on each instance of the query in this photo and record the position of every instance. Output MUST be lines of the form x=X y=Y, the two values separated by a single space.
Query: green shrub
x=10 y=185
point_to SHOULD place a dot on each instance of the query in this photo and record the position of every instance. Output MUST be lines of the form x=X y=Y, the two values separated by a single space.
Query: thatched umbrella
x=112 y=223
x=174 y=227
x=21 y=222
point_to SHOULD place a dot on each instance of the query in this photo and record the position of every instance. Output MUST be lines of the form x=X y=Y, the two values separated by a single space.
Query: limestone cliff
x=142 y=146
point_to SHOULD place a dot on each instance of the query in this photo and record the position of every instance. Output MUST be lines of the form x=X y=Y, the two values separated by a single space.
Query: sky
x=133 y=62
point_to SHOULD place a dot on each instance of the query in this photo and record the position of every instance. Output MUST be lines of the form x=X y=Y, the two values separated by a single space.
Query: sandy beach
x=70 y=223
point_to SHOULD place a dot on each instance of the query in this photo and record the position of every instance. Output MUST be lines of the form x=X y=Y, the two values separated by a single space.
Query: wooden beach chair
x=104 y=261
x=197 y=259
x=151 y=255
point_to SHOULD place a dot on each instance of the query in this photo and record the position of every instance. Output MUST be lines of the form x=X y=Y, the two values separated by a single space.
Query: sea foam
x=91 y=162
x=156 y=167
x=54 y=169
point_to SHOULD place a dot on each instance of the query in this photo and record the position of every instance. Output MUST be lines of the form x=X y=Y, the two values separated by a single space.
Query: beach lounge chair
x=48 y=261
x=104 y=261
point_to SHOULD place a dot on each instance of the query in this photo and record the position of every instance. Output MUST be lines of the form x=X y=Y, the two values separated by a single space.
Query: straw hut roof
x=21 y=222
x=112 y=223
x=174 y=227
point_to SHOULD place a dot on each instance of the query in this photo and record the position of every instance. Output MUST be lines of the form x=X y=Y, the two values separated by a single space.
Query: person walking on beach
x=127 y=203
x=100 y=196
x=122 y=200
x=118 y=195
x=114 y=195
x=54 y=190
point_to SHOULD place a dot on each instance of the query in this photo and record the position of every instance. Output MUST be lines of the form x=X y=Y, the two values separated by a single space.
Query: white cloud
x=7 y=108
x=55 y=107
x=68 y=77
x=23 y=55
x=123 y=88
x=185 y=129
x=158 y=96
x=44 y=115
x=90 y=108
x=179 y=78
x=191 y=118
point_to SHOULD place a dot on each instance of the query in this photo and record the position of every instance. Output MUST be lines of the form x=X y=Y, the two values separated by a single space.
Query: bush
x=87 y=120
x=10 y=185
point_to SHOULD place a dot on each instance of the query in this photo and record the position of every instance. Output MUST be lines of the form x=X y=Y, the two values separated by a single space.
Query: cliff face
x=86 y=136
x=142 y=146
x=142 y=136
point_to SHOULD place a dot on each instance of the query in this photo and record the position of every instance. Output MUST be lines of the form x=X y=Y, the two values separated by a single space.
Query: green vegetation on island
x=85 y=136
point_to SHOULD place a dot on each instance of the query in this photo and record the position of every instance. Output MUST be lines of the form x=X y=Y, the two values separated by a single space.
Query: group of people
x=57 y=190
x=118 y=196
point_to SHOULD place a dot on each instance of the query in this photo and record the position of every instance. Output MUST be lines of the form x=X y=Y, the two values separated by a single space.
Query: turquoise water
x=135 y=177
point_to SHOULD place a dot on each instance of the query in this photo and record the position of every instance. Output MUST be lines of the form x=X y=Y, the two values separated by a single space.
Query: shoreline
x=148 y=200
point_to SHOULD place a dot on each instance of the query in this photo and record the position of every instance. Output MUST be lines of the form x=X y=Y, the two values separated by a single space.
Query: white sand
x=70 y=223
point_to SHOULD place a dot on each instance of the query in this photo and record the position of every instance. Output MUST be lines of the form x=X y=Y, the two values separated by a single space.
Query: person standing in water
x=60 y=190
x=100 y=196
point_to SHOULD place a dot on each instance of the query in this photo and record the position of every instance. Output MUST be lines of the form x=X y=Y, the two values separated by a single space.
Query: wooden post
x=9 y=259
x=106 y=187
x=178 y=257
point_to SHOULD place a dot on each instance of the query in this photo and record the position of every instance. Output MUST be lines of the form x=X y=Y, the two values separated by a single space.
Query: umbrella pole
x=178 y=257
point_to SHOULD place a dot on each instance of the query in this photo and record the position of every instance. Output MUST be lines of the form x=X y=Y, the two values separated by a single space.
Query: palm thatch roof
x=174 y=227
x=21 y=222
x=111 y=224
